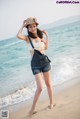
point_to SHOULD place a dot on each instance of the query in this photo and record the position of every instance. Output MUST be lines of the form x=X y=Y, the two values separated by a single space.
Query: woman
x=41 y=45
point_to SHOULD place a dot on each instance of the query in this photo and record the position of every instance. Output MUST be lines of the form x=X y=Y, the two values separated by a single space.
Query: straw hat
x=30 y=20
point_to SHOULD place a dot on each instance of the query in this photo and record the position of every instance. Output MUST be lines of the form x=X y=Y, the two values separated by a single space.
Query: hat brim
x=32 y=23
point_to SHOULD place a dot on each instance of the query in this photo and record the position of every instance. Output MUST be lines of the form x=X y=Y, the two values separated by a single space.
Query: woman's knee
x=39 y=89
x=39 y=82
x=48 y=85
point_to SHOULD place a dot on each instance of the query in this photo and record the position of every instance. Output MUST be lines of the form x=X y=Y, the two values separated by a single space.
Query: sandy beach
x=66 y=98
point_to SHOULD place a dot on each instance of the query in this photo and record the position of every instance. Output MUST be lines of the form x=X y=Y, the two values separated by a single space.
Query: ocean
x=17 y=82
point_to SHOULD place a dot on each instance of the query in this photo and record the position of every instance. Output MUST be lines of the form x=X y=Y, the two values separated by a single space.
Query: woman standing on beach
x=40 y=44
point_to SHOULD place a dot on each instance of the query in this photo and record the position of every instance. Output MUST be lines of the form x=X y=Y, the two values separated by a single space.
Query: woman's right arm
x=19 y=34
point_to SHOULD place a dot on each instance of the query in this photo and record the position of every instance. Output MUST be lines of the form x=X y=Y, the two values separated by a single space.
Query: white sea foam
x=19 y=96
x=64 y=68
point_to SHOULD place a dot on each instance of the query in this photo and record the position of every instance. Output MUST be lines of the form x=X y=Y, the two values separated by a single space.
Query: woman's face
x=32 y=28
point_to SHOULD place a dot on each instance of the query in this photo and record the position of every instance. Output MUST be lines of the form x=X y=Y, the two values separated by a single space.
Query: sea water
x=17 y=82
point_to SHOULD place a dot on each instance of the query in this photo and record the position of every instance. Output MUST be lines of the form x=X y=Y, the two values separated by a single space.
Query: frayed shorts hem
x=37 y=70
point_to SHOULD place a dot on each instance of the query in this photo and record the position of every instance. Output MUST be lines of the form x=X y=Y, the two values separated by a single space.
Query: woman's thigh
x=38 y=78
x=47 y=78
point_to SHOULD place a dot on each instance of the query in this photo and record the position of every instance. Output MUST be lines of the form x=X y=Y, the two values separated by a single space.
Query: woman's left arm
x=46 y=42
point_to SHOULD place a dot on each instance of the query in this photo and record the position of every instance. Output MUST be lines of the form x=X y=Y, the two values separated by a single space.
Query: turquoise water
x=17 y=82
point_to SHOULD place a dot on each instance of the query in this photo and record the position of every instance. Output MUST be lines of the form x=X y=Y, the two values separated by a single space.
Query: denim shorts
x=37 y=68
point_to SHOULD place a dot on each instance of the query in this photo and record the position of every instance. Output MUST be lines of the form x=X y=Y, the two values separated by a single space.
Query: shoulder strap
x=31 y=42
x=36 y=51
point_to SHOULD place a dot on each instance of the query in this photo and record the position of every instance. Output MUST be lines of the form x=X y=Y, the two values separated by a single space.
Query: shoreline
x=64 y=90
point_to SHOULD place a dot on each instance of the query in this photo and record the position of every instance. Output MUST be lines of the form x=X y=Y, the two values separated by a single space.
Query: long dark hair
x=39 y=33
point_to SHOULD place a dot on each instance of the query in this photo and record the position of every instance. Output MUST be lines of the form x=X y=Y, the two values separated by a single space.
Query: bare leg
x=38 y=78
x=47 y=78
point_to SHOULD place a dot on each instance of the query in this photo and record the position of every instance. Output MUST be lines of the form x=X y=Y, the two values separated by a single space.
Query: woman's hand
x=45 y=32
x=24 y=23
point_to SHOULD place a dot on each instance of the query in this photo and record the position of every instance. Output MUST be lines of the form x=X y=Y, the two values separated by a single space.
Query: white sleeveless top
x=37 y=45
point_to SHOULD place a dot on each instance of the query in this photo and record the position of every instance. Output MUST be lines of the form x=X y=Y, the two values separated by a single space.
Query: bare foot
x=31 y=113
x=51 y=106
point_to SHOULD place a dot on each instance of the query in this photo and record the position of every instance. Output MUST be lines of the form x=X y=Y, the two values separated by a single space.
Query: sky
x=14 y=12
